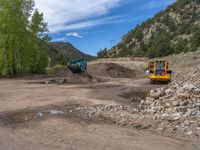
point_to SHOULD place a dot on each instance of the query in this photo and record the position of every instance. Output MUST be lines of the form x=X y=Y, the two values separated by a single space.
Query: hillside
x=62 y=52
x=174 y=30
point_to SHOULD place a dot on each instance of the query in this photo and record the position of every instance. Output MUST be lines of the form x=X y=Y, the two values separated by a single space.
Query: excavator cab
x=159 y=71
x=78 y=65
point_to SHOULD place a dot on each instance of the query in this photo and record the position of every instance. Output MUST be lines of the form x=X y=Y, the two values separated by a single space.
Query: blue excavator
x=78 y=65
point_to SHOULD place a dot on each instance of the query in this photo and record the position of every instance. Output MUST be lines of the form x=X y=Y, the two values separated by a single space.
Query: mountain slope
x=62 y=52
x=174 y=30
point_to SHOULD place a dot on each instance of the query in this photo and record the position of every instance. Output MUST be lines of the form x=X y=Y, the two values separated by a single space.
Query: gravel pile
x=111 y=70
x=118 y=114
x=178 y=105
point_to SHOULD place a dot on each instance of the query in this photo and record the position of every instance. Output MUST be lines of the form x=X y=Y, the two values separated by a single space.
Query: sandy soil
x=34 y=115
x=58 y=131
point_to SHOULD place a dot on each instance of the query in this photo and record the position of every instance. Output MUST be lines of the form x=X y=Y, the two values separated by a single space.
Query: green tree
x=152 y=52
x=102 y=53
x=22 y=41
x=160 y=45
x=180 y=46
x=139 y=53
x=195 y=41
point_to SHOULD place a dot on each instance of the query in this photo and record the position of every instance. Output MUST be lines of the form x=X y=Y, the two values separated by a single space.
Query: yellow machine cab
x=159 y=71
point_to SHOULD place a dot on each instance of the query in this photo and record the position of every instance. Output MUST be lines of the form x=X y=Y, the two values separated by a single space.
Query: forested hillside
x=63 y=52
x=174 y=30
x=23 y=47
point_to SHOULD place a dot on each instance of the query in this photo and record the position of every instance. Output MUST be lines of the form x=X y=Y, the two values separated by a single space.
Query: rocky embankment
x=178 y=105
x=174 y=109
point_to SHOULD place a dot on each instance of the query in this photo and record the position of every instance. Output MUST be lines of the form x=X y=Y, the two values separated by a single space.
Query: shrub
x=53 y=70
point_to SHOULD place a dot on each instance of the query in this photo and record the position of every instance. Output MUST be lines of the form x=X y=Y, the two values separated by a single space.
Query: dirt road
x=39 y=116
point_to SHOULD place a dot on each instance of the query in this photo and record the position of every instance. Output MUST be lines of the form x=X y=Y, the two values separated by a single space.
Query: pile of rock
x=178 y=105
x=121 y=115
x=75 y=78
x=56 y=81
x=173 y=109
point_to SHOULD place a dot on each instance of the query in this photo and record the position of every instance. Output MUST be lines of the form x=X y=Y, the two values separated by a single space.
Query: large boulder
x=190 y=87
x=157 y=93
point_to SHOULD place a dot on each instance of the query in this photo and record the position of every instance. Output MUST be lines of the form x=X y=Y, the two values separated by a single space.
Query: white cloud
x=86 y=24
x=59 y=40
x=75 y=34
x=63 y=13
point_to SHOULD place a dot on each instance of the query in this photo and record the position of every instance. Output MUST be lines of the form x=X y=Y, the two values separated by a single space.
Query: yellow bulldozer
x=159 y=71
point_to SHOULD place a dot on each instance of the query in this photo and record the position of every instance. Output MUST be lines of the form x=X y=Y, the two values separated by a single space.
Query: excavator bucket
x=75 y=68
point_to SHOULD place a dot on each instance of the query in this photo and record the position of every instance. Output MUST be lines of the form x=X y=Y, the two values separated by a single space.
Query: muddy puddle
x=37 y=82
x=26 y=116
x=20 y=117
x=72 y=113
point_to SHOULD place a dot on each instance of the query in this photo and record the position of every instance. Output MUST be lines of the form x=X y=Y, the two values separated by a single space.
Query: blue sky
x=91 y=25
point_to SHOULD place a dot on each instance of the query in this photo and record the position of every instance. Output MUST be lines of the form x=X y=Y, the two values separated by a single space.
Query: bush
x=195 y=41
x=160 y=46
x=152 y=53
x=125 y=52
x=53 y=70
x=102 y=53
x=139 y=53
x=180 y=46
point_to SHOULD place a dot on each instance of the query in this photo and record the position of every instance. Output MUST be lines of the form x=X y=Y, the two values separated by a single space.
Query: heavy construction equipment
x=159 y=71
x=78 y=65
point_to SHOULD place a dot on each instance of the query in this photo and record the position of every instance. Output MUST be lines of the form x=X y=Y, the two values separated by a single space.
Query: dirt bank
x=100 y=72
x=112 y=70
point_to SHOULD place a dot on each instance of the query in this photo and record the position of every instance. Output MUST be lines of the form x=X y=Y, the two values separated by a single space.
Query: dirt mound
x=74 y=78
x=66 y=76
x=81 y=78
x=96 y=72
x=112 y=70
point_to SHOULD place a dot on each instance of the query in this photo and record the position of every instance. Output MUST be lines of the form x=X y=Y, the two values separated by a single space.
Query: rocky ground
x=177 y=105
x=108 y=110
